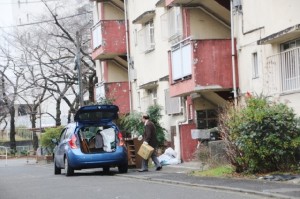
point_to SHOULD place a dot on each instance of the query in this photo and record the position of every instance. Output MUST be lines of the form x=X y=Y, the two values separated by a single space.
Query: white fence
x=282 y=73
x=3 y=153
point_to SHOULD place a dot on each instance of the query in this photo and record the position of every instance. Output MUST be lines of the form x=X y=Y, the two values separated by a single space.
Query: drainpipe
x=128 y=56
x=233 y=53
x=178 y=123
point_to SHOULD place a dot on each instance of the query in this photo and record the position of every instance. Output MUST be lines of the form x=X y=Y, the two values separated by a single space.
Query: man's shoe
x=158 y=168
x=143 y=170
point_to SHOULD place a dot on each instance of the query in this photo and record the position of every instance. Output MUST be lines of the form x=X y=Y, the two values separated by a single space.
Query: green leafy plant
x=155 y=116
x=104 y=100
x=261 y=136
x=49 y=134
x=132 y=123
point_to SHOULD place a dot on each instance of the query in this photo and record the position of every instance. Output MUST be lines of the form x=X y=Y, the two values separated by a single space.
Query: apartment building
x=268 y=41
x=175 y=53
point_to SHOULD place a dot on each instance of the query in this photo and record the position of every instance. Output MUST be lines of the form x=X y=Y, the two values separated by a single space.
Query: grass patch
x=221 y=171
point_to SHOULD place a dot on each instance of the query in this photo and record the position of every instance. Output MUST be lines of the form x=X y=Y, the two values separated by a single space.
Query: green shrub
x=155 y=116
x=261 y=136
x=49 y=134
x=133 y=124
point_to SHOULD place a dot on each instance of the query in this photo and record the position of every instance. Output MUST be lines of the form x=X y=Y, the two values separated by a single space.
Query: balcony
x=118 y=3
x=201 y=65
x=108 y=39
x=283 y=72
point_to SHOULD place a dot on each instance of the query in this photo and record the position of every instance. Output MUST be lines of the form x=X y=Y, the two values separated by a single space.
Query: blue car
x=92 y=141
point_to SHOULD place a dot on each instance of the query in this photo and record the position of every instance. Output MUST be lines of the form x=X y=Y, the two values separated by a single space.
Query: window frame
x=255 y=65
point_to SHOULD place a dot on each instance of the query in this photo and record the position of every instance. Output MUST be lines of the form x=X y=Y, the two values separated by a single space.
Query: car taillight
x=121 y=141
x=72 y=142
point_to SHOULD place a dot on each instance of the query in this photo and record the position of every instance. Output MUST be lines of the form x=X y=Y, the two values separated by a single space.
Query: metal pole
x=233 y=54
x=78 y=63
x=128 y=56
x=40 y=109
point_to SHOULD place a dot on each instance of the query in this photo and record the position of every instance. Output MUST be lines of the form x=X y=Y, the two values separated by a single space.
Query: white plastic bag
x=109 y=138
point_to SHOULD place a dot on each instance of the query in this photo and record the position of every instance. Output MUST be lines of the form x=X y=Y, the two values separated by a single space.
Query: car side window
x=63 y=135
x=68 y=133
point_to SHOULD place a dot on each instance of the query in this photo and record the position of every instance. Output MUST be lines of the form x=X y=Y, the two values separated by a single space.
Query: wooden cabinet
x=133 y=145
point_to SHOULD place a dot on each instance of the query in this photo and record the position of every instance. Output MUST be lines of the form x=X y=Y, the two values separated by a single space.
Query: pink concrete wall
x=188 y=145
x=214 y=65
x=119 y=91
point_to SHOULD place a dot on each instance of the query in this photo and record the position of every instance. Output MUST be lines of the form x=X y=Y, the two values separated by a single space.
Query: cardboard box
x=145 y=151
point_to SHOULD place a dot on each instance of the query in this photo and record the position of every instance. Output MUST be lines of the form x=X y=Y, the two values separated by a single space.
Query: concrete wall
x=204 y=26
x=116 y=73
x=257 y=20
x=111 y=12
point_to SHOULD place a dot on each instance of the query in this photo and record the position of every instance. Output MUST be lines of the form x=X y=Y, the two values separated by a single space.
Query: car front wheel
x=69 y=171
x=123 y=168
x=56 y=169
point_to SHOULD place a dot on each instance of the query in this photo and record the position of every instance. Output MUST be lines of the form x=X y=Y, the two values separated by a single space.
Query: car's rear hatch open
x=97 y=132
x=96 y=114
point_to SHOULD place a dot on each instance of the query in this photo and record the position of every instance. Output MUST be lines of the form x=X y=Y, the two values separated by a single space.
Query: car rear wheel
x=123 y=168
x=56 y=169
x=106 y=169
x=69 y=171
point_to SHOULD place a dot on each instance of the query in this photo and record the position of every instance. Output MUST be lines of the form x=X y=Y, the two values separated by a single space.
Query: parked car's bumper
x=79 y=160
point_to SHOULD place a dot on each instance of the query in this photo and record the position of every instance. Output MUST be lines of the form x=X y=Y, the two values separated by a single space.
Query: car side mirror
x=54 y=141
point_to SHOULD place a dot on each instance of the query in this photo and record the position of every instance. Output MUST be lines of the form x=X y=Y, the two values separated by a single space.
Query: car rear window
x=95 y=116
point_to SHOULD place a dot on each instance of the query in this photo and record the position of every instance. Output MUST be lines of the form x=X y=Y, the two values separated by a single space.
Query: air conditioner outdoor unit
x=202 y=134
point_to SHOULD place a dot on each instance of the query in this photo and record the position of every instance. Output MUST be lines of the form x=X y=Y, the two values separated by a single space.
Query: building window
x=207 y=119
x=146 y=37
x=254 y=65
x=97 y=35
x=135 y=36
x=290 y=66
x=172 y=104
x=171 y=23
x=149 y=98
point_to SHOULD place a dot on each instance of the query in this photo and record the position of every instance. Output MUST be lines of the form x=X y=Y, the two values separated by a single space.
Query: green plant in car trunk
x=261 y=135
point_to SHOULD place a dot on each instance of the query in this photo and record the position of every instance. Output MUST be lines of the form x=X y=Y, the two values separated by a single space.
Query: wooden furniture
x=133 y=145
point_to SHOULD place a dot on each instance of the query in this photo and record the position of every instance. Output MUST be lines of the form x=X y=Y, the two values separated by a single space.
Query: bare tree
x=48 y=51
x=11 y=90
x=66 y=31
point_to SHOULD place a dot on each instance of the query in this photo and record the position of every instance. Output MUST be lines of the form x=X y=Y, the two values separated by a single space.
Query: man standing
x=150 y=138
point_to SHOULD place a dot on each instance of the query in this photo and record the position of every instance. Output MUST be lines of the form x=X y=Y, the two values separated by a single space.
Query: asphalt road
x=22 y=180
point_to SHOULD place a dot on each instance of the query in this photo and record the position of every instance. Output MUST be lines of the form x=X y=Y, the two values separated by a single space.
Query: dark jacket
x=150 y=134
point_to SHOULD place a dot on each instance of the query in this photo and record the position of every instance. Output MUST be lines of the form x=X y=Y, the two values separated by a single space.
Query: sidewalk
x=180 y=174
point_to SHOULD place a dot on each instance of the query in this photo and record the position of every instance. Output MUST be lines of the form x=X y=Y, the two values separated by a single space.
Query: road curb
x=223 y=188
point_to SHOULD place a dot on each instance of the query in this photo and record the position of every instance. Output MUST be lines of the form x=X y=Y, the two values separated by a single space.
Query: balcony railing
x=199 y=65
x=109 y=39
x=282 y=74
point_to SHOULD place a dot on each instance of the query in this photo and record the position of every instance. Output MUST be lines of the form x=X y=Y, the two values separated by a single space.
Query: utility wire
x=11 y=3
x=46 y=21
